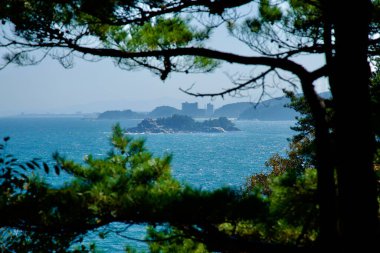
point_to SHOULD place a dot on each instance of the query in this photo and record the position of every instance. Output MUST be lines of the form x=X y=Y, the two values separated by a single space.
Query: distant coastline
x=272 y=109
x=269 y=110
x=54 y=115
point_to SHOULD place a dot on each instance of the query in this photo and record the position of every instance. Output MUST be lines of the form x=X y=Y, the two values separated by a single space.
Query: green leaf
x=35 y=164
x=269 y=12
x=57 y=169
x=254 y=25
x=163 y=34
x=22 y=167
x=46 y=168
x=30 y=165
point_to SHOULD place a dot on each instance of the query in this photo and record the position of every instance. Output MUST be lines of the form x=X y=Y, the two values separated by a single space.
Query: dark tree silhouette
x=164 y=37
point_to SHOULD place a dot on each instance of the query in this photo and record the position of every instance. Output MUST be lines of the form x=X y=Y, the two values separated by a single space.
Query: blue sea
x=204 y=160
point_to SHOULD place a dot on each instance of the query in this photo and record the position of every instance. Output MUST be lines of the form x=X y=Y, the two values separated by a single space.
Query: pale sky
x=100 y=86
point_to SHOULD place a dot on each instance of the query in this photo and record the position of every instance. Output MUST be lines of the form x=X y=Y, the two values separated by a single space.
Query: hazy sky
x=100 y=86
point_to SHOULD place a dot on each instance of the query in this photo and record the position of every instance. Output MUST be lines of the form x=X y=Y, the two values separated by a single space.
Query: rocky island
x=183 y=124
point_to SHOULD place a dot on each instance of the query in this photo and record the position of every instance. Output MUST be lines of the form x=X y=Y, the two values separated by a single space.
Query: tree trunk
x=325 y=168
x=358 y=222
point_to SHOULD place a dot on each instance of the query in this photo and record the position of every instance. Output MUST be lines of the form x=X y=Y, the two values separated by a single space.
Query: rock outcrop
x=183 y=124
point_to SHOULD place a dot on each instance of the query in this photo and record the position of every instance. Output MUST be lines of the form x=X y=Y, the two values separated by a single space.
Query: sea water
x=203 y=160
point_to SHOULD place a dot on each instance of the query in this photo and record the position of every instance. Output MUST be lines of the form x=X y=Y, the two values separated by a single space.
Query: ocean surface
x=204 y=160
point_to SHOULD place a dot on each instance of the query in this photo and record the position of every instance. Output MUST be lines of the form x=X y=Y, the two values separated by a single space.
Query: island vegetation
x=163 y=111
x=126 y=114
x=183 y=124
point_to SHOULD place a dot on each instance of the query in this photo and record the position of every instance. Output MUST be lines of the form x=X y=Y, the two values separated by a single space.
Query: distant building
x=191 y=109
x=209 y=109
